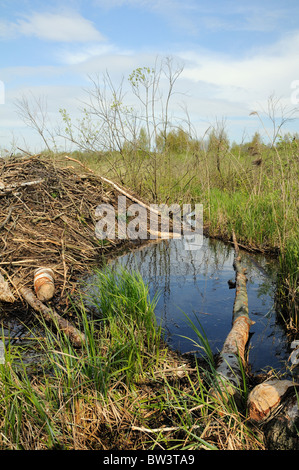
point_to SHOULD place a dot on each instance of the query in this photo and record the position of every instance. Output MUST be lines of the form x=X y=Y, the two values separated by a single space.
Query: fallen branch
x=50 y=315
x=232 y=355
x=161 y=429
x=176 y=233
x=29 y=154
x=116 y=186
x=8 y=188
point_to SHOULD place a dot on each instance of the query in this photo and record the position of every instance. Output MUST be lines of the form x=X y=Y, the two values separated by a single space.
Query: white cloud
x=194 y=16
x=211 y=85
x=179 y=15
x=250 y=78
x=59 y=27
x=78 y=56
x=7 y=30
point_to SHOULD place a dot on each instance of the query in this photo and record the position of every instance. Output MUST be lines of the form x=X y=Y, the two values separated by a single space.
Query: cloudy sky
x=235 y=55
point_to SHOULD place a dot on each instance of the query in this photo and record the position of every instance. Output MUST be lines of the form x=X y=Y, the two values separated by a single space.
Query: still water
x=195 y=283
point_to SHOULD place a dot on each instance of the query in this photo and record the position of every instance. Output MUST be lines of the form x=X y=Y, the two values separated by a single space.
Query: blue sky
x=235 y=55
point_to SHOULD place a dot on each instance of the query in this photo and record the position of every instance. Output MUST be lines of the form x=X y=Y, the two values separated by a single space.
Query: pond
x=195 y=283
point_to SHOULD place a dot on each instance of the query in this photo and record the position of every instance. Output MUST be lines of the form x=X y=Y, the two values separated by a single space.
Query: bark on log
x=232 y=356
x=282 y=432
x=51 y=316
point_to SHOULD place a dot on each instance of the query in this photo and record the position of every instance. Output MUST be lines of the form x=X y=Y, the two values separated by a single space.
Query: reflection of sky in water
x=196 y=283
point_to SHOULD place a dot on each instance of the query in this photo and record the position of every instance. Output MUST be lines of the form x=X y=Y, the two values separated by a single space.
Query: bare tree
x=116 y=121
x=34 y=114
x=279 y=114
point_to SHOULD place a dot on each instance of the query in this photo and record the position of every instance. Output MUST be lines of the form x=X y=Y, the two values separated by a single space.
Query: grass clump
x=127 y=315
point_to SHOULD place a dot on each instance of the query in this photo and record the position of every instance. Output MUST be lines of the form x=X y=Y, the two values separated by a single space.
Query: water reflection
x=196 y=282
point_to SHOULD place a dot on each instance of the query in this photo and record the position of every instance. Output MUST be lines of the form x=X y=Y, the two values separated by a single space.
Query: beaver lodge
x=47 y=218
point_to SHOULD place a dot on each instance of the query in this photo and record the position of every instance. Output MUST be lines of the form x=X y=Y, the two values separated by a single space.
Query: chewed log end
x=44 y=284
x=265 y=398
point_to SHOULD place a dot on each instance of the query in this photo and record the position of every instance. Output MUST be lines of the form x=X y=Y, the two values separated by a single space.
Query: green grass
x=126 y=313
x=254 y=219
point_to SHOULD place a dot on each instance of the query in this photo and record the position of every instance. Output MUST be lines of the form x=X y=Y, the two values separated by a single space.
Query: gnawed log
x=266 y=397
x=6 y=294
x=50 y=315
x=232 y=356
x=273 y=405
x=44 y=283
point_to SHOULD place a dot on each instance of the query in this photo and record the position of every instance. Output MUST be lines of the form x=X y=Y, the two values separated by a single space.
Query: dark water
x=196 y=283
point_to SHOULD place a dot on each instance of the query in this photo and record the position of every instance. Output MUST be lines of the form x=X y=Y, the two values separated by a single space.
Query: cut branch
x=76 y=336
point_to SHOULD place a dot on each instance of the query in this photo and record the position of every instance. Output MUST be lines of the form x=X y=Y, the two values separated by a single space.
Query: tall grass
x=126 y=312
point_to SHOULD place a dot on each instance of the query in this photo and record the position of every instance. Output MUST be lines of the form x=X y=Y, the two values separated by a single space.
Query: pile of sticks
x=47 y=219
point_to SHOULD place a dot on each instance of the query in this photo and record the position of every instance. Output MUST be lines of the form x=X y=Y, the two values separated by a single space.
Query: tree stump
x=273 y=405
